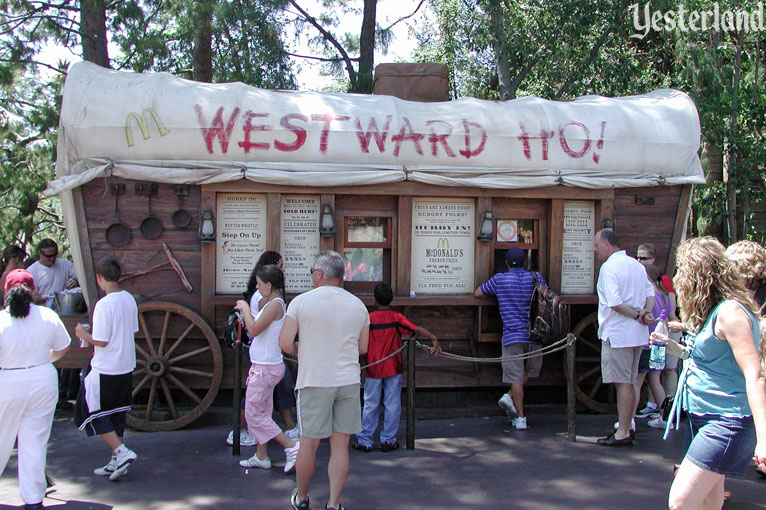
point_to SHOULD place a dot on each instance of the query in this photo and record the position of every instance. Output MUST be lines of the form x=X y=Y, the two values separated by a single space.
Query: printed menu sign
x=299 y=239
x=241 y=228
x=577 y=255
x=442 y=245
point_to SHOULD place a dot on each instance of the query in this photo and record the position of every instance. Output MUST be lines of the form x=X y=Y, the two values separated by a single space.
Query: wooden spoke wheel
x=589 y=387
x=178 y=367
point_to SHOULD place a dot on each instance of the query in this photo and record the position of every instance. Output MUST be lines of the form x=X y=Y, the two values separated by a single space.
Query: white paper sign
x=577 y=267
x=299 y=239
x=442 y=246
x=240 y=240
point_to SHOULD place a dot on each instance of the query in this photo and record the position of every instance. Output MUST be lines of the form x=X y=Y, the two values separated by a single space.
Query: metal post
x=236 y=406
x=411 y=394
x=571 y=401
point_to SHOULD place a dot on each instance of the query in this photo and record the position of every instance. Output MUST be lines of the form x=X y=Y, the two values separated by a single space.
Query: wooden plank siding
x=464 y=324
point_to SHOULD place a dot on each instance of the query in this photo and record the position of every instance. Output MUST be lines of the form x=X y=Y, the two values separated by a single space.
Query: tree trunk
x=203 y=40
x=366 y=48
x=499 y=46
x=731 y=168
x=93 y=28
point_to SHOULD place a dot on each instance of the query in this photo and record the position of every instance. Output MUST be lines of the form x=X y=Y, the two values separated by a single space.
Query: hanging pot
x=118 y=234
x=182 y=217
x=151 y=226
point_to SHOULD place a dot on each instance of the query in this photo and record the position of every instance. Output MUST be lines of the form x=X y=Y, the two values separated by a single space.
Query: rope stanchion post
x=236 y=414
x=410 y=442
x=571 y=399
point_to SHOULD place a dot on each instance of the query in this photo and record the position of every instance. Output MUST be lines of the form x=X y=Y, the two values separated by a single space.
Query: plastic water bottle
x=657 y=353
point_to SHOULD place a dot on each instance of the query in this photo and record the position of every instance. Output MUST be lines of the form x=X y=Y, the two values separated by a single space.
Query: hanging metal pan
x=151 y=226
x=118 y=234
x=182 y=217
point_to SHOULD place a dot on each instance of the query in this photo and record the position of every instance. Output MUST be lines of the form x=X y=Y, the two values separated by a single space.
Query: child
x=267 y=369
x=105 y=394
x=386 y=329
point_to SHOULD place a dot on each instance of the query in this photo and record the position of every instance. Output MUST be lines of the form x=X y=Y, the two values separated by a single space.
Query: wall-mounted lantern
x=487 y=227
x=206 y=227
x=327 y=222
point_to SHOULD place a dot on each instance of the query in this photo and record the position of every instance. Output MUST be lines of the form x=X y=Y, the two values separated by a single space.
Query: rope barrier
x=559 y=345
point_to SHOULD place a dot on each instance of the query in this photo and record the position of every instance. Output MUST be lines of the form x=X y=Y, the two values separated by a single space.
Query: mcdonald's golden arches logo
x=141 y=121
x=443 y=242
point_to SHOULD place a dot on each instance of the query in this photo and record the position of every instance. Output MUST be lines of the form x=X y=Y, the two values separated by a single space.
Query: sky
x=307 y=70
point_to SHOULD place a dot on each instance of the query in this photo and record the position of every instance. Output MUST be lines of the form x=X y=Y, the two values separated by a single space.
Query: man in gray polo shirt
x=334 y=329
x=625 y=301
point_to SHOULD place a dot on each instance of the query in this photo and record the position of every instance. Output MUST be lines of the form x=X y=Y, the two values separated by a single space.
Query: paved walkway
x=459 y=463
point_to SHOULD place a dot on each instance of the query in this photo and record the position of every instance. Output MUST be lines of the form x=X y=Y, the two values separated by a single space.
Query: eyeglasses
x=314 y=270
x=643 y=258
x=49 y=255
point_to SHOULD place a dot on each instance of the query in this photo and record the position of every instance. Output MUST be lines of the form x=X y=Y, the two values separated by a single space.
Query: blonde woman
x=749 y=258
x=722 y=386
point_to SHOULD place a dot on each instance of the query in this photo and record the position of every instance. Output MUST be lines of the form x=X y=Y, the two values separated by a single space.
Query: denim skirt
x=720 y=444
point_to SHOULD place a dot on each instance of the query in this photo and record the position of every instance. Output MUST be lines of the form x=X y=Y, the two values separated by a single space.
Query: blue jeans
x=391 y=388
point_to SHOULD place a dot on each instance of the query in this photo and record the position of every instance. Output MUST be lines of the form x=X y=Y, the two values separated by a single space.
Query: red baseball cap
x=19 y=277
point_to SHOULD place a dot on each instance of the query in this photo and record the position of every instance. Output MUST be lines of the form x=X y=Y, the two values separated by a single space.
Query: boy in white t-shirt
x=105 y=395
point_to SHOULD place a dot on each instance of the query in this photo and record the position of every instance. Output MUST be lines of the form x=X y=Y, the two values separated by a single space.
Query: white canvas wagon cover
x=158 y=127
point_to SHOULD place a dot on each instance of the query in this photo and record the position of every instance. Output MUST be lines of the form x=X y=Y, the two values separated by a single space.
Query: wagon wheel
x=589 y=387
x=178 y=367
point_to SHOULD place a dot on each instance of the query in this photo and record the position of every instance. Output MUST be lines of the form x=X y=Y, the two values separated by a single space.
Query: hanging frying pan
x=151 y=226
x=182 y=217
x=118 y=234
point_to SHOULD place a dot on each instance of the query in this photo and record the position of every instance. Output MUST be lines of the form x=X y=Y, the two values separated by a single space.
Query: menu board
x=577 y=256
x=442 y=246
x=299 y=239
x=240 y=239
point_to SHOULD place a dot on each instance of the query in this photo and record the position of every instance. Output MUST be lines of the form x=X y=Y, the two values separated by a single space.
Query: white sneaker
x=244 y=438
x=293 y=433
x=506 y=402
x=108 y=469
x=657 y=423
x=632 y=425
x=519 y=423
x=647 y=411
x=255 y=462
x=125 y=457
x=291 y=456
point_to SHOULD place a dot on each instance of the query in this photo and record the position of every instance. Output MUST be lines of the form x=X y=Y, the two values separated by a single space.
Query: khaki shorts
x=619 y=365
x=516 y=370
x=322 y=411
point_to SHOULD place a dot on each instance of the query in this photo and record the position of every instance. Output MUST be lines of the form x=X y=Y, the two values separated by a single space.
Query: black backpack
x=235 y=326
x=548 y=316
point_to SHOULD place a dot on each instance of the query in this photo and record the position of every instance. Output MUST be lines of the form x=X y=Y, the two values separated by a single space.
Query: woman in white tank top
x=267 y=368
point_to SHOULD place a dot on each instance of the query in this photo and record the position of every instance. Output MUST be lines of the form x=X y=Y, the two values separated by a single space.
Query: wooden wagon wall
x=464 y=324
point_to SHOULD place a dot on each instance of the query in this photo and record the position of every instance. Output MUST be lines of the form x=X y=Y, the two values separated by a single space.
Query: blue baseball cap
x=515 y=257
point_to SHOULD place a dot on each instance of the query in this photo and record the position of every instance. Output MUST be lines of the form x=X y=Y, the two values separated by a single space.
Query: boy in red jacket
x=386 y=329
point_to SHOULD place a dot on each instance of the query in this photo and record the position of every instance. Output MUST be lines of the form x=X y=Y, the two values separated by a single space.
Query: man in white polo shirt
x=334 y=329
x=625 y=301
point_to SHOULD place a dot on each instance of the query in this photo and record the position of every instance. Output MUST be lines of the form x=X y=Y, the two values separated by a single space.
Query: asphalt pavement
x=474 y=463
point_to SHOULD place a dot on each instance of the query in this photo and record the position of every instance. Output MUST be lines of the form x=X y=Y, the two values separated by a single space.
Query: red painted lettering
x=216 y=128
x=435 y=138
x=545 y=135
x=372 y=130
x=565 y=145
x=248 y=128
x=600 y=143
x=327 y=119
x=406 y=133
x=299 y=132
x=468 y=152
x=524 y=137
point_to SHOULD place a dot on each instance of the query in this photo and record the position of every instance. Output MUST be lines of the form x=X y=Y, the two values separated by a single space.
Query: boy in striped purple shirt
x=513 y=290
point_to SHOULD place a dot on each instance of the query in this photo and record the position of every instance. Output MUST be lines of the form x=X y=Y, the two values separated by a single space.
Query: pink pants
x=259 y=403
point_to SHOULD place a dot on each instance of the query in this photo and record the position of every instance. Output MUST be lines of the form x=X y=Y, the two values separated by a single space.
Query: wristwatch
x=638 y=314
x=685 y=353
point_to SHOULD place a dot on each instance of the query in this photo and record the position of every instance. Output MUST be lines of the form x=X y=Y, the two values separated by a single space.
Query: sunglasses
x=49 y=255
x=643 y=258
x=314 y=270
